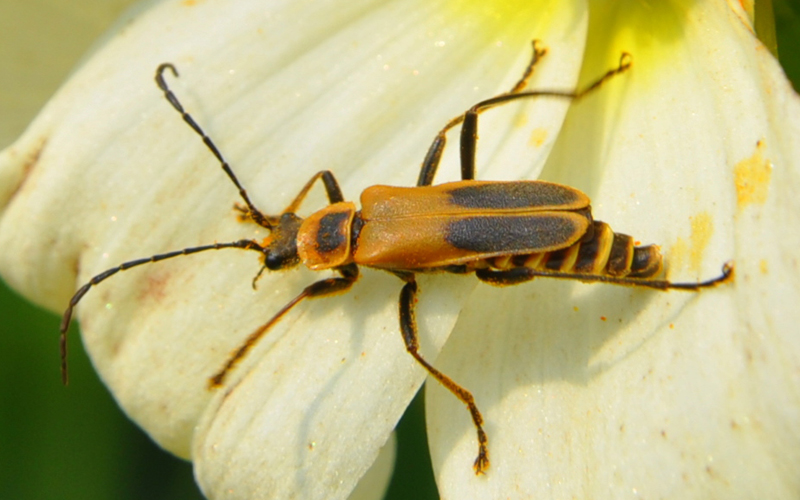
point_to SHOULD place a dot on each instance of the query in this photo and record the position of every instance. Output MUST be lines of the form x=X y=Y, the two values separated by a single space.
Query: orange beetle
x=504 y=232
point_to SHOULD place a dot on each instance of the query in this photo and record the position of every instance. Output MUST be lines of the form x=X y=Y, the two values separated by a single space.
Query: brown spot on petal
x=32 y=158
x=154 y=287
x=752 y=177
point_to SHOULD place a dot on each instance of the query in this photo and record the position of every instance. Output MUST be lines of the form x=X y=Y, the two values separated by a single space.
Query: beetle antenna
x=257 y=276
x=65 y=320
x=254 y=213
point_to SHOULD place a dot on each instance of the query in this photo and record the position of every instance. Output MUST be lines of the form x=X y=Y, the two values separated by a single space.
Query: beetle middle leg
x=469 y=120
x=434 y=155
x=469 y=130
x=408 y=327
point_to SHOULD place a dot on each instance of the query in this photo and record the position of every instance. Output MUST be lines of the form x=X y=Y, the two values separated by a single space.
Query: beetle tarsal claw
x=625 y=61
x=482 y=462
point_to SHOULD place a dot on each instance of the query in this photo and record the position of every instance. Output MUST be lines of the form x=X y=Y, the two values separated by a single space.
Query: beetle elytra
x=504 y=232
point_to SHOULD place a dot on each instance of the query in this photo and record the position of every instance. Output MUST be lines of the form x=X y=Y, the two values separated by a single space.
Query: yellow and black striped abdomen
x=605 y=253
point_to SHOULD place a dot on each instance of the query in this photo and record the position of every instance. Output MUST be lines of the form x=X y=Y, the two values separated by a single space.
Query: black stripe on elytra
x=523 y=233
x=510 y=195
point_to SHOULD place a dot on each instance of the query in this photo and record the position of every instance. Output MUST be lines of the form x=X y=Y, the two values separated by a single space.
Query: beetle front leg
x=408 y=327
x=321 y=288
x=332 y=189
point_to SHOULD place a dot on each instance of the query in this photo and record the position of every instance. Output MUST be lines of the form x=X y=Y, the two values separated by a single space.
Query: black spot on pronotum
x=332 y=232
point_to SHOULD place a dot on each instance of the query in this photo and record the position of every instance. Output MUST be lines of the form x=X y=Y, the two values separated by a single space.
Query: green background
x=74 y=443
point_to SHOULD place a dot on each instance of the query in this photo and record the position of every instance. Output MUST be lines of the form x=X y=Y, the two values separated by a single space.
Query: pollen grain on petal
x=702 y=229
x=538 y=137
x=690 y=251
x=752 y=177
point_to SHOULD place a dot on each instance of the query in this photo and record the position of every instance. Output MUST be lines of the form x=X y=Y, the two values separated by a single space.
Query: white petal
x=593 y=391
x=108 y=173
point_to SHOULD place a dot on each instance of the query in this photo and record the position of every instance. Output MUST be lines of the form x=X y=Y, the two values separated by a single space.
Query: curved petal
x=593 y=391
x=108 y=173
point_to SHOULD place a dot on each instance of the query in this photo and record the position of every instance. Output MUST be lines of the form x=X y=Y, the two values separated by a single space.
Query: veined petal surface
x=594 y=391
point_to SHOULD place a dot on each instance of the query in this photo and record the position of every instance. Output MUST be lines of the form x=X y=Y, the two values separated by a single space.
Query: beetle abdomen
x=606 y=254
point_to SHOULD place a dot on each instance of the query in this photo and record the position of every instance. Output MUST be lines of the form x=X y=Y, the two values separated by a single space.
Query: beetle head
x=280 y=247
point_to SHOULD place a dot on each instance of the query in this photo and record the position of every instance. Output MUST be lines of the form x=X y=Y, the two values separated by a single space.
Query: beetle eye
x=281 y=257
x=274 y=261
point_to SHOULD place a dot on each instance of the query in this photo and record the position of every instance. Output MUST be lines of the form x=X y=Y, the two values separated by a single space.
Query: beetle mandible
x=504 y=232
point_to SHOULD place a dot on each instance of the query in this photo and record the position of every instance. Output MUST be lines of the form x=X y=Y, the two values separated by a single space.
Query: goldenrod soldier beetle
x=504 y=232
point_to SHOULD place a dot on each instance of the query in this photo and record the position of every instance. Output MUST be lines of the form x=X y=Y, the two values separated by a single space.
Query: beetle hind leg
x=518 y=275
x=408 y=327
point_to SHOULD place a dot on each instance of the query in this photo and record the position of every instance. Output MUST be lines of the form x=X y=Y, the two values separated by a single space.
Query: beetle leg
x=332 y=189
x=522 y=274
x=254 y=213
x=536 y=56
x=513 y=276
x=65 y=320
x=434 y=155
x=321 y=288
x=408 y=327
x=469 y=130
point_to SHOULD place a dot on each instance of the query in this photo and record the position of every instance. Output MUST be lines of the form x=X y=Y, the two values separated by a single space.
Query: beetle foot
x=482 y=462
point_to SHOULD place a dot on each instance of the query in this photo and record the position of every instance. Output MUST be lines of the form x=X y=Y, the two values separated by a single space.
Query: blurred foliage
x=74 y=443
x=787 y=30
x=69 y=443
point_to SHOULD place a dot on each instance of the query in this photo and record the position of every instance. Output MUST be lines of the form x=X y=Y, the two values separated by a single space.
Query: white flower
x=588 y=391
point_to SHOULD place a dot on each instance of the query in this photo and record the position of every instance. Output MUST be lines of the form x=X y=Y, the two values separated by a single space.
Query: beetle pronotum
x=504 y=232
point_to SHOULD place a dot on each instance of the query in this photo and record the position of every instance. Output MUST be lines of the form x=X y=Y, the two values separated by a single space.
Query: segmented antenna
x=254 y=213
